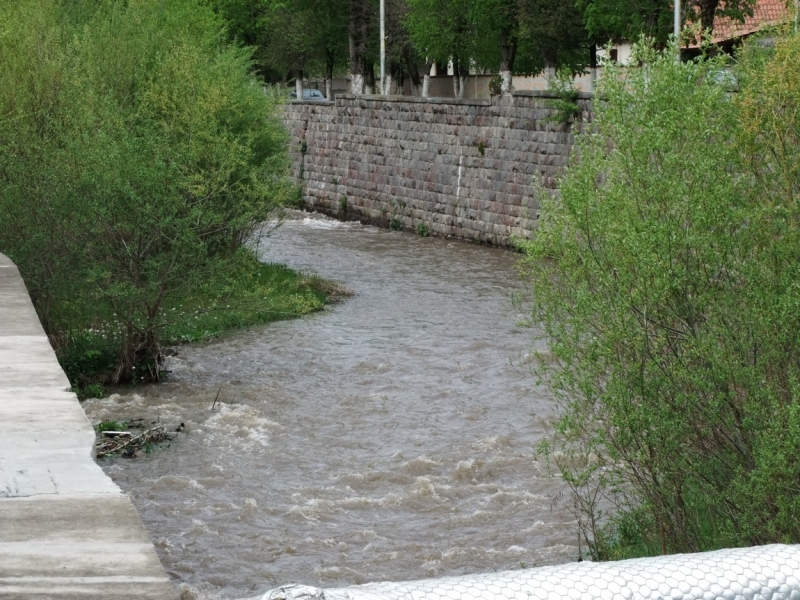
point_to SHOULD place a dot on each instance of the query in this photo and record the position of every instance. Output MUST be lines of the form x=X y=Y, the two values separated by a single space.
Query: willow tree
x=665 y=280
x=137 y=153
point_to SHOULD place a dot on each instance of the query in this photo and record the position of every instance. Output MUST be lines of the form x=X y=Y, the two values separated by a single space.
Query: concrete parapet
x=66 y=529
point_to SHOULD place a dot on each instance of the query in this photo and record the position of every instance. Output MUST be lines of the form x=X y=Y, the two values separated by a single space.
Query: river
x=391 y=437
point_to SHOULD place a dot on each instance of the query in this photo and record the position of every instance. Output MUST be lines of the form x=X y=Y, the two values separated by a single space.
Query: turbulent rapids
x=390 y=438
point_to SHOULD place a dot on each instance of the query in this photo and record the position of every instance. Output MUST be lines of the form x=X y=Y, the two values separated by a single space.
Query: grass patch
x=248 y=293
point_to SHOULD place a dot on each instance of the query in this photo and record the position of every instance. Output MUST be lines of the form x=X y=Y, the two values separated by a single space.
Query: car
x=310 y=95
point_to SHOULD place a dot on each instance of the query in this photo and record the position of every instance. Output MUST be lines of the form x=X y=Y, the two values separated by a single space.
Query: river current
x=390 y=437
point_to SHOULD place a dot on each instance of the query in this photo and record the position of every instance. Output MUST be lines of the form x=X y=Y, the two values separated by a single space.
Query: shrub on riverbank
x=665 y=280
x=137 y=153
x=248 y=293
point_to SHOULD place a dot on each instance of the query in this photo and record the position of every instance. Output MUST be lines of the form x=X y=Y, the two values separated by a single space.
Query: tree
x=664 y=279
x=607 y=20
x=137 y=153
x=291 y=38
x=708 y=10
x=445 y=31
x=553 y=32
x=360 y=29
x=499 y=25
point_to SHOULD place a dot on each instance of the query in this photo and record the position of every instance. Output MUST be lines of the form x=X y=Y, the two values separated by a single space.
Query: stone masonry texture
x=470 y=169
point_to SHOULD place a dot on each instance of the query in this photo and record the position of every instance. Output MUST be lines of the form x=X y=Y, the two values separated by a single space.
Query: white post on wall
x=384 y=91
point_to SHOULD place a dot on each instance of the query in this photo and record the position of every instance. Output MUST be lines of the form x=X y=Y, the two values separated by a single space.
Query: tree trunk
x=329 y=60
x=426 y=79
x=508 y=52
x=298 y=83
x=369 y=79
x=708 y=9
x=413 y=74
x=459 y=78
x=358 y=28
x=549 y=69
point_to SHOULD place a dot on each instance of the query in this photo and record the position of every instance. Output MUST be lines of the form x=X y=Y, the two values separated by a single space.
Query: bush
x=136 y=155
x=665 y=284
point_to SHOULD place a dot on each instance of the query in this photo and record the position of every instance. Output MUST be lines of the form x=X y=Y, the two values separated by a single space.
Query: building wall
x=463 y=168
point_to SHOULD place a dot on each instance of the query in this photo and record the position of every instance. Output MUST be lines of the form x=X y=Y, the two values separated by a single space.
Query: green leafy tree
x=292 y=39
x=552 y=37
x=446 y=31
x=664 y=279
x=628 y=19
x=137 y=153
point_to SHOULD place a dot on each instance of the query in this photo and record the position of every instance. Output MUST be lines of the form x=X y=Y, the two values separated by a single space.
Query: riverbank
x=66 y=530
x=249 y=293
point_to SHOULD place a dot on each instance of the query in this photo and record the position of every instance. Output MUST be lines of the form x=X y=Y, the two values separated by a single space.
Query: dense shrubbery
x=136 y=155
x=666 y=282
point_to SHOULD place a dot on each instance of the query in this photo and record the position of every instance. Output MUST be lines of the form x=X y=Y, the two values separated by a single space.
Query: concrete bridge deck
x=66 y=529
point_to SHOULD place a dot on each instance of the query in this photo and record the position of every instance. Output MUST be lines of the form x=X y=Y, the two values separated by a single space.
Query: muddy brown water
x=391 y=437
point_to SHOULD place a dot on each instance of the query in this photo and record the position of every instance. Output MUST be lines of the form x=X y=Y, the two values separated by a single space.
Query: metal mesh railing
x=759 y=573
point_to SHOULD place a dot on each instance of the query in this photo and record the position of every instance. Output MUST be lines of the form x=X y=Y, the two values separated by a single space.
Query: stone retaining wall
x=462 y=168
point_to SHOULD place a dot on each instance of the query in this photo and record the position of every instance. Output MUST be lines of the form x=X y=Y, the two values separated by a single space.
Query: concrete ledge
x=416 y=99
x=66 y=529
x=550 y=94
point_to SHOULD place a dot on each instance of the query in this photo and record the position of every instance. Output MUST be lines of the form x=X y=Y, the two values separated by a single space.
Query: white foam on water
x=239 y=425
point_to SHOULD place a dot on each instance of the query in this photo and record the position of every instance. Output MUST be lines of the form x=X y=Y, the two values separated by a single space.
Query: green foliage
x=290 y=37
x=566 y=105
x=137 y=153
x=608 y=20
x=93 y=390
x=110 y=426
x=523 y=36
x=444 y=29
x=665 y=284
x=250 y=293
x=552 y=35
x=395 y=225
x=247 y=293
x=422 y=230
x=495 y=85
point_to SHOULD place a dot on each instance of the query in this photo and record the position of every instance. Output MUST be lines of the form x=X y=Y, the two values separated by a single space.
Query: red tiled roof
x=765 y=13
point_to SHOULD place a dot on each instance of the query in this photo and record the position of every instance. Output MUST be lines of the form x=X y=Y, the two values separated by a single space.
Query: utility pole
x=384 y=91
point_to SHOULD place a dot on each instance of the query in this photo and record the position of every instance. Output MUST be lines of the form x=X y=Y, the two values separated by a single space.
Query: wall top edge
x=312 y=102
x=441 y=100
x=418 y=99
x=550 y=94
